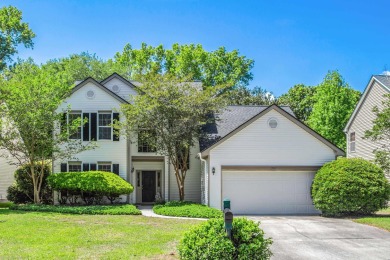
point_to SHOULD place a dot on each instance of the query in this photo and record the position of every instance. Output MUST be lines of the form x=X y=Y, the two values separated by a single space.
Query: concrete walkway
x=147 y=211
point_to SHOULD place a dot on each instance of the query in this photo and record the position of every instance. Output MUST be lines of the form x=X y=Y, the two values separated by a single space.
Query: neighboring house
x=362 y=118
x=6 y=177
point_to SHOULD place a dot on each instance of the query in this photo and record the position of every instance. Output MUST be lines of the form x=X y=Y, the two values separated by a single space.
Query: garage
x=268 y=192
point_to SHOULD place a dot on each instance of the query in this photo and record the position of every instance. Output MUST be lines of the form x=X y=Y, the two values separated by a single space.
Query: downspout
x=206 y=180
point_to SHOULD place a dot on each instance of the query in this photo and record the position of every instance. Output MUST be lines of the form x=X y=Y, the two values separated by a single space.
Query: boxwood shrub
x=91 y=186
x=209 y=241
x=350 y=186
x=186 y=209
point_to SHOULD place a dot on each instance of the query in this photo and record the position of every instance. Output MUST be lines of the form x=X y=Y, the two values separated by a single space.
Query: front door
x=148 y=186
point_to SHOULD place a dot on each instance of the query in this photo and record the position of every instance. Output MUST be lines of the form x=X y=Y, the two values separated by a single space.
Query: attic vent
x=115 y=88
x=273 y=123
x=90 y=94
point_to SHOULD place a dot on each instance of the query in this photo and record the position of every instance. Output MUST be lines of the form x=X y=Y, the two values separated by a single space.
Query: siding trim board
x=147 y=158
x=336 y=150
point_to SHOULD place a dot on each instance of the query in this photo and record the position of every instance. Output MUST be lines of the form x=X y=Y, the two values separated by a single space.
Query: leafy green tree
x=245 y=96
x=30 y=96
x=300 y=99
x=173 y=111
x=380 y=133
x=334 y=102
x=80 y=66
x=13 y=32
x=188 y=60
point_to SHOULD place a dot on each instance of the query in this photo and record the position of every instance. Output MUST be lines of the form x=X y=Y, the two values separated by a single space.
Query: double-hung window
x=352 y=142
x=74 y=166
x=146 y=138
x=75 y=133
x=105 y=128
x=104 y=166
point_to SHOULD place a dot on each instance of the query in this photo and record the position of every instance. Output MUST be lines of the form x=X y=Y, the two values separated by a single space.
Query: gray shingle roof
x=228 y=120
x=384 y=79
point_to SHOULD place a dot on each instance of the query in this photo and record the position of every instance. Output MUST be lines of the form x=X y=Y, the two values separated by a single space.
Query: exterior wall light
x=213 y=170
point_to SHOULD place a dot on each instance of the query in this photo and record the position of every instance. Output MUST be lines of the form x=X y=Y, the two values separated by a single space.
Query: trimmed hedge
x=186 y=209
x=350 y=186
x=90 y=210
x=90 y=186
x=209 y=241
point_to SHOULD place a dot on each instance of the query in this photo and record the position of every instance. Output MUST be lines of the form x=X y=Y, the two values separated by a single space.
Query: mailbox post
x=228 y=217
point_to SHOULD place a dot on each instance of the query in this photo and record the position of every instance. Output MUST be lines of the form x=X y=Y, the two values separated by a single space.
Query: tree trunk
x=35 y=180
x=181 y=191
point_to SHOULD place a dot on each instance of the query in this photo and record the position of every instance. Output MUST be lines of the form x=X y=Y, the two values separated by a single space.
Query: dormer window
x=352 y=142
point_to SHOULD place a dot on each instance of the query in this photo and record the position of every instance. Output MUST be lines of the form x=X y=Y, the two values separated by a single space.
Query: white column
x=166 y=178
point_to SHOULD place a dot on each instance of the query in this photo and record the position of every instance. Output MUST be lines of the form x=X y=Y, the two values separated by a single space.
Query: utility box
x=226 y=203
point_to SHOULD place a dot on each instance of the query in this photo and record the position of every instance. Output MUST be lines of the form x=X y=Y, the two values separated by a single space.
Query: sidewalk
x=147 y=211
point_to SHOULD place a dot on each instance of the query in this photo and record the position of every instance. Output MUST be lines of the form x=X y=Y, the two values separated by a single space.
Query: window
x=352 y=142
x=145 y=138
x=158 y=179
x=105 y=167
x=105 y=128
x=76 y=133
x=138 y=179
x=74 y=166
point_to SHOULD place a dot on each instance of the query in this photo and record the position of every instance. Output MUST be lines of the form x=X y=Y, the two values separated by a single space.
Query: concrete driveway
x=314 y=237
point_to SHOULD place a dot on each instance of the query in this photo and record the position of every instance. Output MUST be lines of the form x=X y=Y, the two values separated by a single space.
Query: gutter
x=206 y=180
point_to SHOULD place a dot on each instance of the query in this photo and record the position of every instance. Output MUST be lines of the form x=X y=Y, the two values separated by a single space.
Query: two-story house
x=362 y=118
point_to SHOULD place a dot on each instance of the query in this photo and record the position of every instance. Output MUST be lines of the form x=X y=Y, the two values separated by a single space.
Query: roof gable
x=383 y=81
x=132 y=84
x=96 y=83
x=215 y=140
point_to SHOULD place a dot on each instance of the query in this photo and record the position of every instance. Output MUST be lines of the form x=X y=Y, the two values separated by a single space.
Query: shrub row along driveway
x=313 y=237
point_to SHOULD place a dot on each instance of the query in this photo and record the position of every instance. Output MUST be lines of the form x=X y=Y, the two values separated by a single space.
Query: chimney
x=386 y=73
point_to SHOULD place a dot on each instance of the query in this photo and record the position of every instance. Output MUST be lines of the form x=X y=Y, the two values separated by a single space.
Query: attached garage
x=264 y=160
x=268 y=192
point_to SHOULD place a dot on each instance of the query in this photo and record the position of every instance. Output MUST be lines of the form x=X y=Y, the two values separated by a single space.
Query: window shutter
x=64 y=167
x=86 y=127
x=115 y=117
x=63 y=124
x=92 y=167
x=115 y=168
x=85 y=167
x=93 y=126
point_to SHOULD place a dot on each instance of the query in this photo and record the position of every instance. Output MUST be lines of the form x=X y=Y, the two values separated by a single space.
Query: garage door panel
x=268 y=192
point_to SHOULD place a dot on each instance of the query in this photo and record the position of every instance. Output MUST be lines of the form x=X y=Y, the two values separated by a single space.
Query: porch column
x=166 y=178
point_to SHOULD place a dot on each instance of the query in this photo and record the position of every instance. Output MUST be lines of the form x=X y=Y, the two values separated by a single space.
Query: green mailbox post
x=228 y=217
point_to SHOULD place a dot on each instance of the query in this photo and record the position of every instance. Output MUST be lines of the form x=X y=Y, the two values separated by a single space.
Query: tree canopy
x=13 y=32
x=334 y=102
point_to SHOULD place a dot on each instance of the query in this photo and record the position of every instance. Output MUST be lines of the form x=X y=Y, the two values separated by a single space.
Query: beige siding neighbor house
x=362 y=118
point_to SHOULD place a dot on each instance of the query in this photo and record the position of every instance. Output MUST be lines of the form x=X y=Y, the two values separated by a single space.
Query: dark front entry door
x=148 y=186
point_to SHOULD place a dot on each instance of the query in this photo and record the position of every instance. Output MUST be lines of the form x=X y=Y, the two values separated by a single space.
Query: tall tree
x=172 y=111
x=30 y=97
x=334 y=103
x=13 y=32
x=244 y=96
x=188 y=60
x=380 y=133
x=300 y=99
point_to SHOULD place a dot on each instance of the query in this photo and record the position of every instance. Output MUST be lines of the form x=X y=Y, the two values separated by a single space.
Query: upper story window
x=352 y=142
x=104 y=166
x=145 y=144
x=105 y=129
x=74 y=166
x=72 y=117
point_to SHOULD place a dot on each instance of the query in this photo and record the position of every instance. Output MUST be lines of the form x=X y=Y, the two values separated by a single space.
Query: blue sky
x=291 y=41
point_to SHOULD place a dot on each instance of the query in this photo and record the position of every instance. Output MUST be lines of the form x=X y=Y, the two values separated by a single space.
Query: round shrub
x=350 y=186
x=91 y=186
x=209 y=241
x=22 y=191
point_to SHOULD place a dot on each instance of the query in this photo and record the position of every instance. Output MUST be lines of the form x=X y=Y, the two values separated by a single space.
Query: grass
x=186 y=209
x=41 y=235
x=380 y=220
x=126 y=209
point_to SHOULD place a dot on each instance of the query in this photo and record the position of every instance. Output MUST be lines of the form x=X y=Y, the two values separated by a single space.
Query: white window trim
x=104 y=163
x=77 y=163
x=98 y=125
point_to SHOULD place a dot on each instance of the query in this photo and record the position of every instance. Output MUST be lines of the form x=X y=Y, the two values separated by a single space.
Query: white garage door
x=268 y=192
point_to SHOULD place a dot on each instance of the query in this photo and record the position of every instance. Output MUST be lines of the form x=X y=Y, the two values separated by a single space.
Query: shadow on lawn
x=9 y=212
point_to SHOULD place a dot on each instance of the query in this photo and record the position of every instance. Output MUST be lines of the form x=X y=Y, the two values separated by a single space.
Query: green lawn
x=37 y=235
x=381 y=220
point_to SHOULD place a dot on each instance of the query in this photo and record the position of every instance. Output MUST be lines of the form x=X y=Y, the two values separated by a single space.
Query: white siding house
x=6 y=176
x=362 y=118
